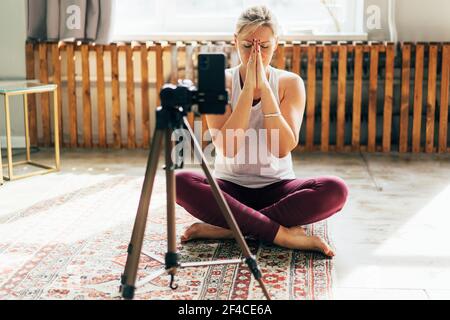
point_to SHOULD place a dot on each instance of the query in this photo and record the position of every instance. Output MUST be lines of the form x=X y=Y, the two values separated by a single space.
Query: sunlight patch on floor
x=425 y=234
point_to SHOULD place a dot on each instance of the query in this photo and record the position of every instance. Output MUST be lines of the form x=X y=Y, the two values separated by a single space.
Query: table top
x=12 y=86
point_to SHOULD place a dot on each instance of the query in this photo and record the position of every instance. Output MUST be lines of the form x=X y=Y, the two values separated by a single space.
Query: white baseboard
x=16 y=141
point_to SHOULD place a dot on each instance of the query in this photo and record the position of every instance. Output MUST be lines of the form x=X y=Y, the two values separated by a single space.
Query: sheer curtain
x=85 y=20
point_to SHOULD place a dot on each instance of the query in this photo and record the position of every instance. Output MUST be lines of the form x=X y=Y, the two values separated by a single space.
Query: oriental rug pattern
x=73 y=246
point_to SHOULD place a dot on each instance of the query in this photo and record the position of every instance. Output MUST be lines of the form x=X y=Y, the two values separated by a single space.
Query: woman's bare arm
x=235 y=123
x=292 y=108
x=228 y=131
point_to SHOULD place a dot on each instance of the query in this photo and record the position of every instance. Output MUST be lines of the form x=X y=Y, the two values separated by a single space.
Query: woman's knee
x=186 y=182
x=187 y=178
x=336 y=190
x=182 y=178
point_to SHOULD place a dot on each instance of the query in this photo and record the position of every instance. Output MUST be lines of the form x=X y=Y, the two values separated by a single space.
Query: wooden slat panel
x=418 y=94
x=342 y=85
x=101 y=100
x=131 y=141
x=281 y=56
x=72 y=98
x=311 y=97
x=87 y=113
x=443 y=117
x=357 y=97
x=117 y=135
x=388 y=98
x=56 y=60
x=326 y=83
x=431 y=98
x=190 y=51
x=204 y=130
x=174 y=64
x=404 y=108
x=373 y=86
x=296 y=55
x=32 y=120
x=145 y=96
x=159 y=72
x=295 y=51
x=159 y=50
x=45 y=99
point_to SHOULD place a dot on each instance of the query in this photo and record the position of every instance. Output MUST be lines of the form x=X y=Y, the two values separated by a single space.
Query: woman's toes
x=189 y=233
x=184 y=238
x=321 y=245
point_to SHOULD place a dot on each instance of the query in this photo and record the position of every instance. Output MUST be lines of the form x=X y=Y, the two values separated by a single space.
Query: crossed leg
x=274 y=214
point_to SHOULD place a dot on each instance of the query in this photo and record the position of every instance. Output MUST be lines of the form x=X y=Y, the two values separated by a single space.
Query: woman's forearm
x=286 y=138
x=236 y=125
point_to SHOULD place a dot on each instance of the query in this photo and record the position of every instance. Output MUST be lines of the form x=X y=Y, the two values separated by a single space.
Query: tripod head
x=183 y=95
x=211 y=96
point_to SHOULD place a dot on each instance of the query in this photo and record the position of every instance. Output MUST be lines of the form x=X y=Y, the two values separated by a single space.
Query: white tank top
x=253 y=166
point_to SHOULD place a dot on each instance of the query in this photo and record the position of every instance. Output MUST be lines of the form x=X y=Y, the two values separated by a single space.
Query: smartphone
x=212 y=93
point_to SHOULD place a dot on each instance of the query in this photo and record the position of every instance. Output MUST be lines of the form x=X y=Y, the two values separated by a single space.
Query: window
x=140 y=18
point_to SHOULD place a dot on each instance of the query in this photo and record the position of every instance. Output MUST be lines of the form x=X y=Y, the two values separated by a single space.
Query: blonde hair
x=254 y=17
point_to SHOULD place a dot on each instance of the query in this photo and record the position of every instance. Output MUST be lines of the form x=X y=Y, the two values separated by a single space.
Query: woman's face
x=267 y=40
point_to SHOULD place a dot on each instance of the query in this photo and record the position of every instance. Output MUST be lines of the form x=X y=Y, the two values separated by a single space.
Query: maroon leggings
x=260 y=212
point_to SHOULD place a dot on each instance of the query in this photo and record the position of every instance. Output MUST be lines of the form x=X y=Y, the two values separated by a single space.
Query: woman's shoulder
x=288 y=79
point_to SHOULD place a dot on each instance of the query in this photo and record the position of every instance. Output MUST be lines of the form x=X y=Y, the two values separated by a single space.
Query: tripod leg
x=134 y=248
x=171 y=255
x=250 y=260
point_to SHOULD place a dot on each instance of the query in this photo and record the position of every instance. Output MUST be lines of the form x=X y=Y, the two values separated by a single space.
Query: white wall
x=420 y=20
x=12 y=62
x=416 y=20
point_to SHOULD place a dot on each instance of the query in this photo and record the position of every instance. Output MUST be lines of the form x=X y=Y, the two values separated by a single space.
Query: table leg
x=27 y=129
x=56 y=126
x=8 y=138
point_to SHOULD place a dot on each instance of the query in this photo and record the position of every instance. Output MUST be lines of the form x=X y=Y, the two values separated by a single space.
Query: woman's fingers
x=257 y=58
x=254 y=53
x=256 y=63
x=252 y=59
x=259 y=54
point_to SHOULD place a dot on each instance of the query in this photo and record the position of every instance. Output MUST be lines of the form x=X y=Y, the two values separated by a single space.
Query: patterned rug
x=73 y=246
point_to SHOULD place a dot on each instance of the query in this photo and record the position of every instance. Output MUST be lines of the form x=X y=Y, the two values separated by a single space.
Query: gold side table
x=14 y=88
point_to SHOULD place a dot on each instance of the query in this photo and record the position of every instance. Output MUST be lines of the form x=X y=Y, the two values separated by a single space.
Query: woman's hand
x=250 y=78
x=261 y=77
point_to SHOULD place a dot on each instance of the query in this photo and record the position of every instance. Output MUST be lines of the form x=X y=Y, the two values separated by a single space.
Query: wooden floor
x=392 y=237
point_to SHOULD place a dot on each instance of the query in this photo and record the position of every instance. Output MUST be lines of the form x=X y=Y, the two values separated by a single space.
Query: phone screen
x=211 y=83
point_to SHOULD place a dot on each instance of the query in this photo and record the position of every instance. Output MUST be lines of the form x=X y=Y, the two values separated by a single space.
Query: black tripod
x=171 y=115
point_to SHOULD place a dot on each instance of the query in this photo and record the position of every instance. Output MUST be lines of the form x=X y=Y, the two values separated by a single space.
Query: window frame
x=292 y=31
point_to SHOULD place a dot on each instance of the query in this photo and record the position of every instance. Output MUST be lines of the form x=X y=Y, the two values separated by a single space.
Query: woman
x=267 y=200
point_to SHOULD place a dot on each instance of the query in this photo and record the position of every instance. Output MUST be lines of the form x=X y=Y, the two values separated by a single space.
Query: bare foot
x=205 y=231
x=296 y=238
x=298 y=230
